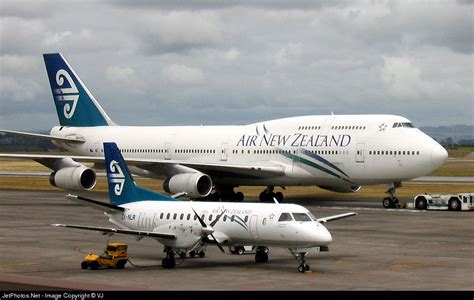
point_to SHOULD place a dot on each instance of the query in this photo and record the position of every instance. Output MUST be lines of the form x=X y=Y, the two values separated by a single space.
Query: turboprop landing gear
x=301 y=258
x=267 y=195
x=198 y=251
x=168 y=262
x=392 y=201
x=261 y=256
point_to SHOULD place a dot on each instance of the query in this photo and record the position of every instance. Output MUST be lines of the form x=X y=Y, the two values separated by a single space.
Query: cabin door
x=253 y=226
x=360 y=155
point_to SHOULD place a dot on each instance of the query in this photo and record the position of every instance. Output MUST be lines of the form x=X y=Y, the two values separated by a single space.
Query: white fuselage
x=343 y=151
x=233 y=223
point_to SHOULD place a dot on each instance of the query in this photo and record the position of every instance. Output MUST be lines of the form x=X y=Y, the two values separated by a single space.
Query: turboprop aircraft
x=187 y=226
x=339 y=153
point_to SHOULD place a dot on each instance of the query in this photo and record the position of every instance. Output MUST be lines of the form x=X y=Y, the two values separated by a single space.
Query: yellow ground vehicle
x=114 y=256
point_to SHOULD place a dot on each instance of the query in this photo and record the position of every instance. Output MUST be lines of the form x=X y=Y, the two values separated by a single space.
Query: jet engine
x=342 y=189
x=196 y=185
x=78 y=178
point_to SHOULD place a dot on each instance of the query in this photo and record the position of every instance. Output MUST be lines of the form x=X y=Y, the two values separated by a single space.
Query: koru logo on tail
x=67 y=94
x=116 y=176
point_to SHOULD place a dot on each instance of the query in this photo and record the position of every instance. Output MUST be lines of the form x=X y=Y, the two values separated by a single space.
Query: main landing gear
x=168 y=262
x=267 y=195
x=225 y=194
x=301 y=258
x=198 y=251
x=392 y=201
x=261 y=256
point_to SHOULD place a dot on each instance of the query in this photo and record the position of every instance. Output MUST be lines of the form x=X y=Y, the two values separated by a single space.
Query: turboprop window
x=284 y=217
x=301 y=217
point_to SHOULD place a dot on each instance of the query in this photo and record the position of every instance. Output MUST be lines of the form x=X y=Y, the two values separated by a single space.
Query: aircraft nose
x=324 y=236
x=438 y=155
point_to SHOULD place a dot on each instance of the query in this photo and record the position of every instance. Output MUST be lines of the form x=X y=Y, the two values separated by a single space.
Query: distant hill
x=447 y=135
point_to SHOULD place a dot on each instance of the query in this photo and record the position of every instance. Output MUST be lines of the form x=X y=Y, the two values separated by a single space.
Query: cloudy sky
x=237 y=62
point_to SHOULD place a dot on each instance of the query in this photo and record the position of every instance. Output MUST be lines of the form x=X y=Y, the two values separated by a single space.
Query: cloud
x=219 y=62
x=168 y=32
x=182 y=74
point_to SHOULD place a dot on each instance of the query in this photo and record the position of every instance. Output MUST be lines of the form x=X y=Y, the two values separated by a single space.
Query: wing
x=165 y=167
x=336 y=217
x=121 y=231
x=96 y=204
x=70 y=140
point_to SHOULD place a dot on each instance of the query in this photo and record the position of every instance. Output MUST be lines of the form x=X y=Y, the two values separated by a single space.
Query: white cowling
x=342 y=189
x=74 y=178
x=196 y=185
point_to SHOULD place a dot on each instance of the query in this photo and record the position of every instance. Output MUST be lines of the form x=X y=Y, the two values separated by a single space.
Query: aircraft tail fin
x=122 y=187
x=75 y=104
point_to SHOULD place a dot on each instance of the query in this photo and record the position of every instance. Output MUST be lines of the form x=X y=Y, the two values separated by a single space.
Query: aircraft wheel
x=301 y=268
x=192 y=254
x=279 y=196
x=240 y=250
x=182 y=255
x=202 y=254
x=167 y=263
x=84 y=265
x=387 y=202
x=239 y=196
x=263 y=196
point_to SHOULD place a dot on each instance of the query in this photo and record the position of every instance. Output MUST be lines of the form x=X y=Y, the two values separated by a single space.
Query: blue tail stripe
x=122 y=187
x=74 y=103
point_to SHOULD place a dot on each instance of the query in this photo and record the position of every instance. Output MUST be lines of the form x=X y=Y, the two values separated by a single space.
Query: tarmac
x=377 y=250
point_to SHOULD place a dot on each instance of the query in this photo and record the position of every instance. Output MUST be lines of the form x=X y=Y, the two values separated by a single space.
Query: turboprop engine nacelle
x=78 y=178
x=196 y=185
x=341 y=189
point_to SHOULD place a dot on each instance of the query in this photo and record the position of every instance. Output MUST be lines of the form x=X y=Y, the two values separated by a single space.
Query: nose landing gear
x=301 y=258
x=392 y=201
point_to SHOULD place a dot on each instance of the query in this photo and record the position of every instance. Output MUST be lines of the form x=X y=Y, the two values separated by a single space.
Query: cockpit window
x=301 y=217
x=405 y=124
x=285 y=217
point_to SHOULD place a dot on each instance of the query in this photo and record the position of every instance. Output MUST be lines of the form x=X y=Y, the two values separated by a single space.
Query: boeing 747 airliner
x=339 y=153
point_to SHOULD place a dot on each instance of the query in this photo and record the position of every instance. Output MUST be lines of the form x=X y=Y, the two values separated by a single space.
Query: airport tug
x=114 y=256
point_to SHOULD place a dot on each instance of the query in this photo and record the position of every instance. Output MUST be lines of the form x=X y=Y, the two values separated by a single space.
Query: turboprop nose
x=324 y=236
x=438 y=155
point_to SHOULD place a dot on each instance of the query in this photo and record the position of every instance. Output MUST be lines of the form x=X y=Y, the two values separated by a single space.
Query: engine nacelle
x=74 y=178
x=341 y=189
x=196 y=185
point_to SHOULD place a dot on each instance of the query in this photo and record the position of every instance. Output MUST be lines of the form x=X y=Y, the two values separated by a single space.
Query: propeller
x=209 y=230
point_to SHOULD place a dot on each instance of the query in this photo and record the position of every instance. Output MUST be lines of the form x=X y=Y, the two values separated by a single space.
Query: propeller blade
x=217 y=243
x=217 y=218
x=199 y=218
x=205 y=226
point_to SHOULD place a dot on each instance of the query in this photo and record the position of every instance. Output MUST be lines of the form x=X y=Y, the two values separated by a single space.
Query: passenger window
x=285 y=217
x=161 y=216
x=174 y=216
x=210 y=217
x=189 y=217
x=301 y=217
x=168 y=216
x=181 y=217
x=246 y=219
x=225 y=218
